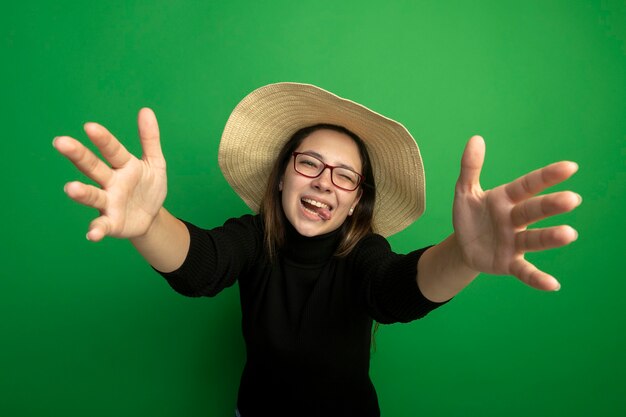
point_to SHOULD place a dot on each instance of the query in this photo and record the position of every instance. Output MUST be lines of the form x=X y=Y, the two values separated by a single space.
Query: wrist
x=457 y=255
x=442 y=271
x=153 y=227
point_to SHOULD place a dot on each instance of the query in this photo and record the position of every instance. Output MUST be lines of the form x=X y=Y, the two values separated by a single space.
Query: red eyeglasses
x=312 y=167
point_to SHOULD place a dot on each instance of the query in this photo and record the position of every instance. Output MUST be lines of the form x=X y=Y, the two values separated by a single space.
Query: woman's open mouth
x=317 y=208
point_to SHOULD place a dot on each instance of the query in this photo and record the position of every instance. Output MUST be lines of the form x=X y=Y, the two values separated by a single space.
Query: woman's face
x=302 y=196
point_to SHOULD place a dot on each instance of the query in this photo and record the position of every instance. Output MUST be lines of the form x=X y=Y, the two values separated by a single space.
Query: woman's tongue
x=322 y=212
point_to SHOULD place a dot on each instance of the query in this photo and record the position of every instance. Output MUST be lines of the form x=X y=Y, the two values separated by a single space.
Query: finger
x=540 y=239
x=533 y=277
x=149 y=134
x=85 y=160
x=87 y=195
x=472 y=163
x=110 y=148
x=537 y=208
x=99 y=228
x=536 y=181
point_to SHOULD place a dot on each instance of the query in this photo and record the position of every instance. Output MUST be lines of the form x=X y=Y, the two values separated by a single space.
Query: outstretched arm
x=131 y=193
x=490 y=228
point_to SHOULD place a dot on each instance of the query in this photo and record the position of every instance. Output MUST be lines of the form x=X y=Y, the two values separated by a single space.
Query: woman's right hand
x=132 y=190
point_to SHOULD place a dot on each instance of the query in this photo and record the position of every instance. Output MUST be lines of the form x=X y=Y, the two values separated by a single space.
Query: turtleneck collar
x=309 y=250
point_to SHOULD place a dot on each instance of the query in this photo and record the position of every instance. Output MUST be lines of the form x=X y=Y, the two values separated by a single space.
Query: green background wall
x=90 y=330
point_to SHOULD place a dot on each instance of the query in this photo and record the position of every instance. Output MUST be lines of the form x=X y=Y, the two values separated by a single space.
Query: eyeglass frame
x=331 y=167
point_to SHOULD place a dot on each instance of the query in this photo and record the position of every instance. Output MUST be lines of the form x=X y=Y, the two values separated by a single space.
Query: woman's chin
x=310 y=230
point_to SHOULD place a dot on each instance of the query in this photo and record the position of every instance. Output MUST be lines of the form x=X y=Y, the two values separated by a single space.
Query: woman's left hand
x=491 y=226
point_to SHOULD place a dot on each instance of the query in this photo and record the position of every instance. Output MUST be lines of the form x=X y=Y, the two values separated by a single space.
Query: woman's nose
x=324 y=181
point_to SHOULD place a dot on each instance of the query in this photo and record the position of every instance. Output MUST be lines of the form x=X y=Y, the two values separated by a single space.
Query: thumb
x=149 y=134
x=98 y=229
x=472 y=163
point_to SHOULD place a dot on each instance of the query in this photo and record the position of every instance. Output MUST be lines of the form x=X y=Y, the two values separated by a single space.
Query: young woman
x=329 y=179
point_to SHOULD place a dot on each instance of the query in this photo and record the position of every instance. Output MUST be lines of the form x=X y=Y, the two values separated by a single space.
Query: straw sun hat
x=266 y=118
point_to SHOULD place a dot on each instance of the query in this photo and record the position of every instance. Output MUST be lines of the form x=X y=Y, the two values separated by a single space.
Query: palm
x=486 y=242
x=135 y=196
x=132 y=190
x=491 y=226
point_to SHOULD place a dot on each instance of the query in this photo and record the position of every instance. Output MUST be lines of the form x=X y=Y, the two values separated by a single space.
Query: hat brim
x=265 y=119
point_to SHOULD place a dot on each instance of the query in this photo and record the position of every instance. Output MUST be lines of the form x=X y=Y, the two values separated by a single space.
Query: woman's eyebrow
x=320 y=157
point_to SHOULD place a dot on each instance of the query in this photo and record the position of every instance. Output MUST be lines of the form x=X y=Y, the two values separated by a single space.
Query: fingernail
x=558 y=287
x=87 y=236
x=580 y=198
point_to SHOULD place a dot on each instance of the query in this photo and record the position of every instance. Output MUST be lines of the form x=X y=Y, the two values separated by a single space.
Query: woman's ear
x=280 y=185
x=356 y=201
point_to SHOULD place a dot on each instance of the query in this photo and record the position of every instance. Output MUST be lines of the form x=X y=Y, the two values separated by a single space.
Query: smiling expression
x=315 y=206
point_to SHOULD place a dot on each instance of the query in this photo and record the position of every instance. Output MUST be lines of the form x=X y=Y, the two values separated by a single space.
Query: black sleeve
x=388 y=282
x=217 y=257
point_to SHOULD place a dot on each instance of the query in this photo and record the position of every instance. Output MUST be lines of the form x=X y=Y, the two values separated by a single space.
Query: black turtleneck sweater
x=307 y=317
